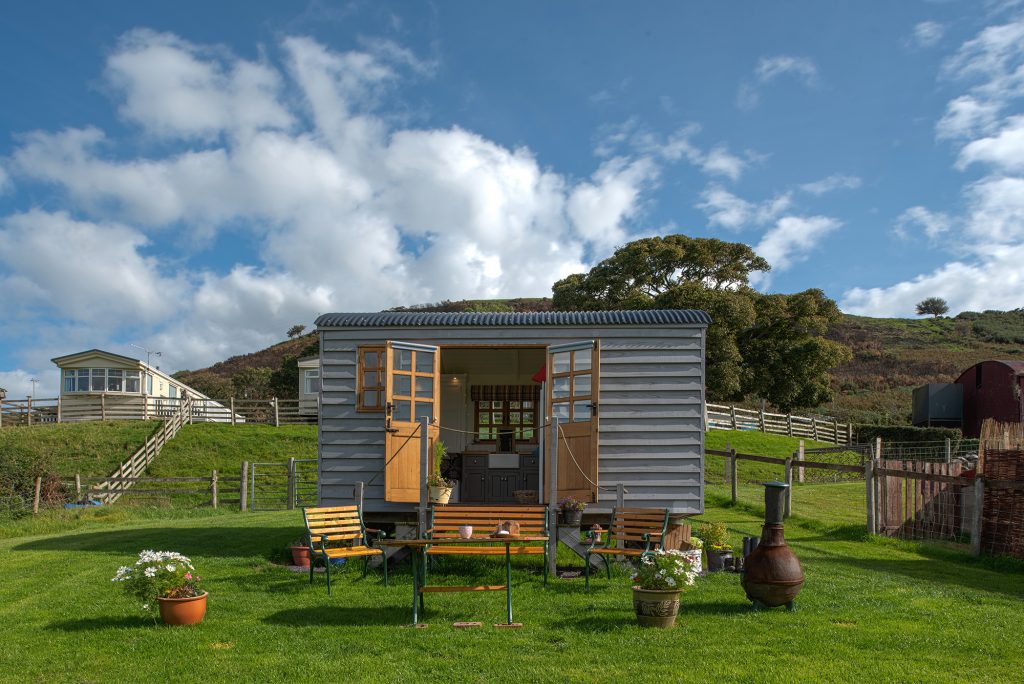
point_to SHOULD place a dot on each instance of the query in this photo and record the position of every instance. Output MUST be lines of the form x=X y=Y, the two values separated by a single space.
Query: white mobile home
x=625 y=387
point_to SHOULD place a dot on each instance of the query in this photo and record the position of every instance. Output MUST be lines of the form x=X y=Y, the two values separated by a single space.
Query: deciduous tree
x=932 y=306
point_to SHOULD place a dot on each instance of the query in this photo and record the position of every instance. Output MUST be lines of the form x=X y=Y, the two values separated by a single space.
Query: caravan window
x=312 y=382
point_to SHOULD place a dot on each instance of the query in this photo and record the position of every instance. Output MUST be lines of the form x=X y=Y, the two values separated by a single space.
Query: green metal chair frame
x=320 y=554
x=645 y=537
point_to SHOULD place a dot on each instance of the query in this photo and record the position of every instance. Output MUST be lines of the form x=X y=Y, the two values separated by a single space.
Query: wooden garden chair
x=646 y=526
x=339 y=532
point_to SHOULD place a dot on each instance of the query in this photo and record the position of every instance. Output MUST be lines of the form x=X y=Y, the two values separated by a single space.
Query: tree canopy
x=932 y=306
x=766 y=346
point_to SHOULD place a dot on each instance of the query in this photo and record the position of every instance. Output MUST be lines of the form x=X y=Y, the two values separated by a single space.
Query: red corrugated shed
x=992 y=389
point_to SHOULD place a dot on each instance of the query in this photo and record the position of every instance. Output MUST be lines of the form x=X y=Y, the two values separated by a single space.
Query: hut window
x=312 y=381
x=370 y=383
x=505 y=409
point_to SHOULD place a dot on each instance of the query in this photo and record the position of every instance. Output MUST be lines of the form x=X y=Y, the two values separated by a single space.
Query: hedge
x=905 y=433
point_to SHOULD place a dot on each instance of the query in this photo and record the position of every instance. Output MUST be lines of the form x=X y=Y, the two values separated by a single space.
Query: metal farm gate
x=282 y=486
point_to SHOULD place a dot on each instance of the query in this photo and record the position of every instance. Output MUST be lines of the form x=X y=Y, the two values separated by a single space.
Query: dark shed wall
x=651 y=436
x=992 y=389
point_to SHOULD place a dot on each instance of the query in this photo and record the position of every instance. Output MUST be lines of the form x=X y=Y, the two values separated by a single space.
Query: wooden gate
x=913 y=501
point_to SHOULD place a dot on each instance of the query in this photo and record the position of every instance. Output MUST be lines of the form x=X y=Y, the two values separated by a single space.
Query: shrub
x=905 y=433
x=664 y=570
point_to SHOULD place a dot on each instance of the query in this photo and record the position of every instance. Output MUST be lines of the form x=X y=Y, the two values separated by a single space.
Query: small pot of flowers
x=657 y=583
x=438 y=488
x=716 y=544
x=571 y=510
x=694 y=551
x=300 y=553
x=167 y=580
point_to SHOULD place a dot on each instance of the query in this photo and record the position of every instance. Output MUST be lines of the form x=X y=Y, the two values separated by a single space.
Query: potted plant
x=715 y=537
x=694 y=551
x=167 y=580
x=439 y=489
x=300 y=553
x=657 y=583
x=571 y=510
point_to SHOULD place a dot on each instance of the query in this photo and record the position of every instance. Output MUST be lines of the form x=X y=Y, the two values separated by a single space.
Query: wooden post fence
x=732 y=410
x=733 y=478
x=232 y=409
x=291 y=484
x=243 y=488
x=35 y=499
x=213 y=489
x=789 y=489
x=277 y=419
x=976 y=519
x=800 y=460
x=58 y=409
x=789 y=424
x=103 y=407
x=869 y=485
x=78 y=487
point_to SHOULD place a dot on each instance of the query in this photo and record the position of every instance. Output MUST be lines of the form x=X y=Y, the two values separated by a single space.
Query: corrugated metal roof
x=396 y=319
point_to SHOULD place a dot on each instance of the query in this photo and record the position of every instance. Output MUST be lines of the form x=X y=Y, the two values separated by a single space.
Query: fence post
x=835 y=430
x=35 y=499
x=728 y=469
x=277 y=420
x=949 y=450
x=878 y=447
x=243 y=488
x=58 y=409
x=232 y=409
x=869 y=484
x=733 y=473
x=789 y=489
x=291 y=483
x=732 y=413
x=760 y=417
x=424 y=472
x=103 y=407
x=553 y=493
x=976 y=520
x=814 y=428
x=789 y=424
x=213 y=489
x=800 y=460
x=28 y=405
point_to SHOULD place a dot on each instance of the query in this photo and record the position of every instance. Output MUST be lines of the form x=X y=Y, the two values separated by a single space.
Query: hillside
x=891 y=355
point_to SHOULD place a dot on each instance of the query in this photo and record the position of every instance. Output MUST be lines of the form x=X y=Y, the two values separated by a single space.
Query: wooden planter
x=183 y=611
x=656 y=608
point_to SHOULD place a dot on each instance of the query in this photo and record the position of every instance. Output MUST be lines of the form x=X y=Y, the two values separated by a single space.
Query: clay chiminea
x=773 y=576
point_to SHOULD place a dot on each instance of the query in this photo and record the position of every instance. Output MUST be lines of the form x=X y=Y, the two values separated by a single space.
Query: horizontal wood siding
x=651 y=411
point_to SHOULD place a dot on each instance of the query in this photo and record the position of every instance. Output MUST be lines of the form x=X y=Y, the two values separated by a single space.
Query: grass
x=871 y=611
x=92 y=449
x=202 y=447
x=751 y=442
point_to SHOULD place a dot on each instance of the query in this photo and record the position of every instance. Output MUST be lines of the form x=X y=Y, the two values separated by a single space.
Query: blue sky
x=198 y=177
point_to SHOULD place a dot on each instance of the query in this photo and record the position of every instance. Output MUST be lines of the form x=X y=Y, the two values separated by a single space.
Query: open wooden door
x=412 y=389
x=573 y=389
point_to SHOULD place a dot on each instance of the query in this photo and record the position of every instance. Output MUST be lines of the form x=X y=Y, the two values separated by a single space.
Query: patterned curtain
x=505 y=392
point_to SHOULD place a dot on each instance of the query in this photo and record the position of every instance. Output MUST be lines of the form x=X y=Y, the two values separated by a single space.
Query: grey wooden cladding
x=651 y=409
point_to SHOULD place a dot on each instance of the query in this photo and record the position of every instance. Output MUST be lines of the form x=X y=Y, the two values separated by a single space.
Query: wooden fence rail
x=822 y=429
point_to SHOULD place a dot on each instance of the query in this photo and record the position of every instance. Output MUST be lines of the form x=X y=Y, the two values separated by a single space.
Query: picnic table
x=418 y=548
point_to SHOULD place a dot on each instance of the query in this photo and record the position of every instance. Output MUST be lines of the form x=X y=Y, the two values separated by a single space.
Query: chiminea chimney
x=772 y=575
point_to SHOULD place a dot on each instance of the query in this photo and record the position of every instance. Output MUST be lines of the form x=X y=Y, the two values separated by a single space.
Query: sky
x=196 y=178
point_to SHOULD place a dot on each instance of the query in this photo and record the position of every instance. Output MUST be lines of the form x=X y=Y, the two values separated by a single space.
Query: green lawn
x=870 y=611
x=751 y=442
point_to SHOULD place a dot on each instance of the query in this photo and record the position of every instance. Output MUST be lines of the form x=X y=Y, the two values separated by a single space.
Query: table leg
x=508 y=580
x=415 y=586
x=423 y=576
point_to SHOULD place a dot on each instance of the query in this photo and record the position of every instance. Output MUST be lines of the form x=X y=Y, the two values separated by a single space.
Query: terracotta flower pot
x=656 y=607
x=300 y=556
x=183 y=611
x=440 y=495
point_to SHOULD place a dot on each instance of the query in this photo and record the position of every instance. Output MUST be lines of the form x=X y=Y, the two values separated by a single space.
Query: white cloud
x=793 y=238
x=1003 y=150
x=18 y=383
x=928 y=34
x=725 y=209
x=836 y=181
x=679 y=145
x=5 y=180
x=932 y=223
x=965 y=116
x=769 y=69
x=720 y=162
x=346 y=209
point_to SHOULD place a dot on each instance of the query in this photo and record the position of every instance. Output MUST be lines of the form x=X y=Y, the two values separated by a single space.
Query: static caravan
x=623 y=392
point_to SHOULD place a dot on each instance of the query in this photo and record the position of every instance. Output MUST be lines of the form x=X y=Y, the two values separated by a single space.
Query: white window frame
x=311 y=374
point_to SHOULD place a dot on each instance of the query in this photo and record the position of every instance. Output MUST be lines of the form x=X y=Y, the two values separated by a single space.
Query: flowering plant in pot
x=657 y=583
x=694 y=551
x=716 y=544
x=571 y=510
x=165 y=579
x=438 y=488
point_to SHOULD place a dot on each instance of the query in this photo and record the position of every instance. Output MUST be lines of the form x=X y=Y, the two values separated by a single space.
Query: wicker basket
x=525 y=496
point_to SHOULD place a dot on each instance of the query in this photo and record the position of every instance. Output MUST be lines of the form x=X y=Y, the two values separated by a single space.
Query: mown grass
x=203 y=447
x=870 y=611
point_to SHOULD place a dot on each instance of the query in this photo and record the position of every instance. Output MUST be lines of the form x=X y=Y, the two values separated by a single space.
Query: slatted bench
x=646 y=526
x=338 y=532
x=446 y=520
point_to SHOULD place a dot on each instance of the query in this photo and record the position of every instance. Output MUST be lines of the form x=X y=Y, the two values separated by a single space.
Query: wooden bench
x=633 y=526
x=445 y=522
x=339 y=532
